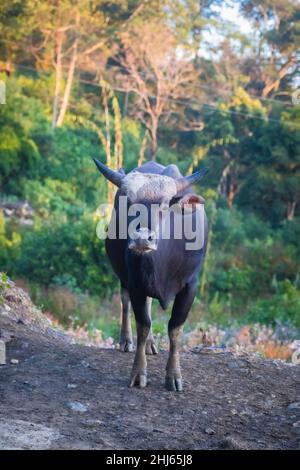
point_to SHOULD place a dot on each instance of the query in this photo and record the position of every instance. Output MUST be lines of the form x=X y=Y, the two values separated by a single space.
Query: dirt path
x=66 y=396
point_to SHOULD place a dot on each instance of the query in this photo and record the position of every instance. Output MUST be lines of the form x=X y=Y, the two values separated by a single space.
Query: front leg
x=173 y=371
x=182 y=304
x=126 y=342
x=150 y=343
x=143 y=324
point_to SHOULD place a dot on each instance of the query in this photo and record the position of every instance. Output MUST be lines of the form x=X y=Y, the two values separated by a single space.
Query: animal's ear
x=189 y=202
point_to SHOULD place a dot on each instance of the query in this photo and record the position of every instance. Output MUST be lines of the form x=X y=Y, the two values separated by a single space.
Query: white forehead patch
x=149 y=186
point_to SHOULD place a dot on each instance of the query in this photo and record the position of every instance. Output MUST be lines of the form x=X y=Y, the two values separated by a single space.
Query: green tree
x=275 y=63
x=19 y=153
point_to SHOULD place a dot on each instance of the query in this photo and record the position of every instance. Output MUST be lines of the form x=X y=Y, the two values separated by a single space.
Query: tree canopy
x=176 y=81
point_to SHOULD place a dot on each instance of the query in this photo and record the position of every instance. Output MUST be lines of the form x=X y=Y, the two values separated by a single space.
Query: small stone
x=72 y=386
x=77 y=406
x=234 y=412
x=233 y=365
x=85 y=364
x=269 y=403
x=6 y=336
x=233 y=443
x=296 y=425
x=209 y=431
x=94 y=422
x=14 y=361
x=2 y=353
x=294 y=406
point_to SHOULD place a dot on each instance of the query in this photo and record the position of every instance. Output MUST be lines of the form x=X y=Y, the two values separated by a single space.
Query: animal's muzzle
x=143 y=241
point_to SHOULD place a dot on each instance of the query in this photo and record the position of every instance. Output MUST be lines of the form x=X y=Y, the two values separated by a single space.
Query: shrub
x=284 y=306
x=68 y=250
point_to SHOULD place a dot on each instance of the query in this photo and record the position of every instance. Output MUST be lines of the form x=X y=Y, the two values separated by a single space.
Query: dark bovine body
x=151 y=265
x=161 y=274
x=165 y=272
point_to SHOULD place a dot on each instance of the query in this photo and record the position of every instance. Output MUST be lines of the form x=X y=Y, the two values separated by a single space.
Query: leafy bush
x=10 y=241
x=57 y=251
x=284 y=306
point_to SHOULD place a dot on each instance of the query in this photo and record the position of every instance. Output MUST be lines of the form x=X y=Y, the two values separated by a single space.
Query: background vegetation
x=176 y=81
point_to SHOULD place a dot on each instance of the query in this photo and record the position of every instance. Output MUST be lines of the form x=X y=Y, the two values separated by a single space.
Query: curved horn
x=186 y=181
x=114 y=177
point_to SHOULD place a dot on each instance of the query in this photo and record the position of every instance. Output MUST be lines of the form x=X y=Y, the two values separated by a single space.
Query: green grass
x=4 y=284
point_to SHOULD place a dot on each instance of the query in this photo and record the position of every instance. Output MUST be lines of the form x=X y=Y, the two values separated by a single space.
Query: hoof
x=126 y=346
x=151 y=347
x=139 y=379
x=174 y=384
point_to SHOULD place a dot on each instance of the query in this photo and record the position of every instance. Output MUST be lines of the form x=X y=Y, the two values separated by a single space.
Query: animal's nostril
x=151 y=236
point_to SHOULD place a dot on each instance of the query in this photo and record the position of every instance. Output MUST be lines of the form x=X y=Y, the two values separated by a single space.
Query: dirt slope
x=61 y=395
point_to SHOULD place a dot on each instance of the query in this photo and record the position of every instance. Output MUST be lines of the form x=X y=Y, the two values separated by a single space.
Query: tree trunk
x=274 y=85
x=222 y=186
x=110 y=186
x=58 y=77
x=291 y=207
x=125 y=109
x=142 y=149
x=231 y=191
x=68 y=87
x=154 y=138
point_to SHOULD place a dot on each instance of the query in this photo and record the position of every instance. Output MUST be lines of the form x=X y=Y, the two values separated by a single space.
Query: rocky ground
x=57 y=394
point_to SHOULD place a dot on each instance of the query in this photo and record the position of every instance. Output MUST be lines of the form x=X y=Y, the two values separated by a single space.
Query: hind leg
x=126 y=342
